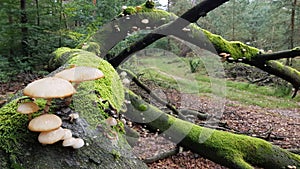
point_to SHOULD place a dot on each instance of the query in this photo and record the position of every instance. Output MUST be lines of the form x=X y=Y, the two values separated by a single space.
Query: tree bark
x=19 y=147
x=231 y=150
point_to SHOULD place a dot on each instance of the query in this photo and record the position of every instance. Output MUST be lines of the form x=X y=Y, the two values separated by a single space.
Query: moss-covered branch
x=178 y=24
x=231 y=150
x=235 y=51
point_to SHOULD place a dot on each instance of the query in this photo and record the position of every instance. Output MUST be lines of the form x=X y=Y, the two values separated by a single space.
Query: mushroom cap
x=27 y=108
x=67 y=135
x=80 y=74
x=49 y=87
x=45 y=122
x=51 y=137
x=111 y=121
x=78 y=143
x=68 y=142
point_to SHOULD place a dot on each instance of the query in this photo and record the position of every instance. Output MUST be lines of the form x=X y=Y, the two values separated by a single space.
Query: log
x=228 y=149
x=19 y=147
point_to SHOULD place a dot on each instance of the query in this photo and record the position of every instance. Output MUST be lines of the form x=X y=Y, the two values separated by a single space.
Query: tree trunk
x=231 y=150
x=19 y=147
x=24 y=29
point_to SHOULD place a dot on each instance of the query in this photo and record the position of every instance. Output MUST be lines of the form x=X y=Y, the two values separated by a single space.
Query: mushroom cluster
x=59 y=86
x=51 y=131
x=49 y=88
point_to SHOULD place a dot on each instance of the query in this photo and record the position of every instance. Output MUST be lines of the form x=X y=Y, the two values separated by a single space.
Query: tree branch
x=188 y=17
x=279 y=55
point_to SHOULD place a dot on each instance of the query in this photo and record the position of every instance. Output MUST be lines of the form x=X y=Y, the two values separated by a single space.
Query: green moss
x=116 y=154
x=232 y=150
x=13 y=127
x=129 y=10
x=236 y=49
x=92 y=47
x=88 y=96
x=296 y=48
x=142 y=107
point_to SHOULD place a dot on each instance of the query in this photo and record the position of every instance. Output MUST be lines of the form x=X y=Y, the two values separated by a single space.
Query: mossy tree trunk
x=231 y=150
x=19 y=147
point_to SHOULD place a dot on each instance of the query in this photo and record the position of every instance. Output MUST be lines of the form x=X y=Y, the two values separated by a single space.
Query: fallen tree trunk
x=236 y=51
x=231 y=150
x=19 y=147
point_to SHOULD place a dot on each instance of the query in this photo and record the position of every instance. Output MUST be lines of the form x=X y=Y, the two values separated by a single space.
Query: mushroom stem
x=69 y=99
x=47 y=107
x=29 y=117
x=76 y=85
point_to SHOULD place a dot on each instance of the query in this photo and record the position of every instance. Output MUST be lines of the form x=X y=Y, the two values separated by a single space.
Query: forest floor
x=280 y=126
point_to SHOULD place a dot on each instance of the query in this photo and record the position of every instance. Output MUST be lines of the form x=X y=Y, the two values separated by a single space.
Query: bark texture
x=19 y=147
x=231 y=150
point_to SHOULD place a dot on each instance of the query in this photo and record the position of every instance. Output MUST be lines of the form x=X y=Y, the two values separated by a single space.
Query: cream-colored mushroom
x=68 y=142
x=73 y=116
x=80 y=74
x=28 y=108
x=78 y=143
x=45 y=122
x=51 y=137
x=49 y=88
x=111 y=121
x=67 y=135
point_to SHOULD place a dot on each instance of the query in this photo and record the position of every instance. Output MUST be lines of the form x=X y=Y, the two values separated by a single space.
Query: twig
x=161 y=156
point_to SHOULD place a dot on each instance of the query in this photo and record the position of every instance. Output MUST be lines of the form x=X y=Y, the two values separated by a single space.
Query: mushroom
x=68 y=142
x=123 y=74
x=78 y=143
x=74 y=142
x=28 y=108
x=73 y=116
x=80 y=74
x=53 y=136
x=45 y=122
x=145 y=21
x=48 y=88
x=138 y=8
x=67 y=135
x=111 y=121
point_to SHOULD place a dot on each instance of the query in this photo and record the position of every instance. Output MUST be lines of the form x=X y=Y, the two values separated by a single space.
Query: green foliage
x=263 y=24
x=50 y=24
x=194 y=64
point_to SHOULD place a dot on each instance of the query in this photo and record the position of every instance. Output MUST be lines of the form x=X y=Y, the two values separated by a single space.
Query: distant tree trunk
x=37 y=13
x=289 y=60
x=36 y=42
x=60 y=21
x=233 y=20
x=11 y=39
x=24 y=29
